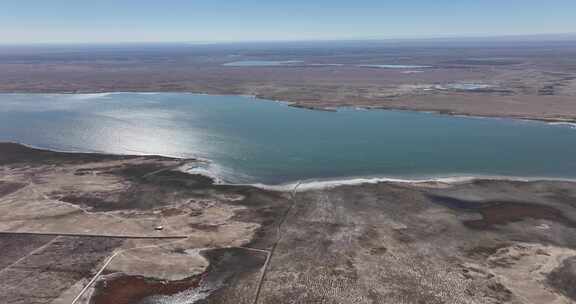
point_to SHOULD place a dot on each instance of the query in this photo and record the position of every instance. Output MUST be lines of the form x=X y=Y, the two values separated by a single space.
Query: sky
x=102 y=21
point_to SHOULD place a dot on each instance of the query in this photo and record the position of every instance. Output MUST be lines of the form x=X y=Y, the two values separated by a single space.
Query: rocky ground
x=90 y=228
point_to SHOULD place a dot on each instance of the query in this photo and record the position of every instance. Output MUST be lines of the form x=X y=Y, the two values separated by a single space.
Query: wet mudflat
x=227 y=267
x=134 y=289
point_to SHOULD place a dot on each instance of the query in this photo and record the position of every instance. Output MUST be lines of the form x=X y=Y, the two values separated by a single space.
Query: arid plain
x=522 y=79
x=121 y=229
x=90 y=228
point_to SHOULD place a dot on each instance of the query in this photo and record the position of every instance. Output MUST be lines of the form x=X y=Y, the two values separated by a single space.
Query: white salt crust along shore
x=218 y=174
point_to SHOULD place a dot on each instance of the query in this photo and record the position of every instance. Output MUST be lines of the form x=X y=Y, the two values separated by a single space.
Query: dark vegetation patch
x=146 y=191
x=171 y=211
x=88 y=200
x=16 y=246
x=502 y=212
x=161 y=176
x=11 y=153
x=370 y=240
x=456 y=203
x=135 y=197
x=226 y=266
x=378 y=250
x=45 y=275
x=177 y=179
x=505 y=213
x=137 y=171
x=204 y=227
x=499 y=292
x=484 y=251
x=72 y=255
x=7 y=188
x=563 y=278
x=88 y=171
x=228 y=262
x=403 y=236
x=179 y=250
x=547 y=90
x=263 y=207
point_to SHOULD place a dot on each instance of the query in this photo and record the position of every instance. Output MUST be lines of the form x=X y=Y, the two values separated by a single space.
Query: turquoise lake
x=255 y=141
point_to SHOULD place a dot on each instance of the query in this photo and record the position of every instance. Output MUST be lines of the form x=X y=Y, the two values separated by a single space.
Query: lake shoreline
x=306 y=184
x=318 y=105
x=116 y=204
x=378 y=145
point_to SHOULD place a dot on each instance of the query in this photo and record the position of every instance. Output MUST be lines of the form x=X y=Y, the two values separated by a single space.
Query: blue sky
x=45 y=21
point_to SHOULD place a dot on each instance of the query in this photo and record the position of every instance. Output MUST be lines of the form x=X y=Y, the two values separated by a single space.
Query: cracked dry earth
x=83 y=228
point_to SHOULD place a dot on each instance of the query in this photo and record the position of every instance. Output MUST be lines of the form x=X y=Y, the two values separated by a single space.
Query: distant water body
x=394 y=66
x=254 y=141
x=271 y=63
x=261 y=63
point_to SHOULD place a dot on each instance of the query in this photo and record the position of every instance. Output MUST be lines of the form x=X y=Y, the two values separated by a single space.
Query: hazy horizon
x=548 y=37
x=173 y=21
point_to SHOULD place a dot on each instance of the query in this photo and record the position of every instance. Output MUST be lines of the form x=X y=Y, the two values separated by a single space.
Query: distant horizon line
x=569 y=36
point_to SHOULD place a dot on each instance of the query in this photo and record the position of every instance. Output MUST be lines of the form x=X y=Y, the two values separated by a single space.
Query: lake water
x=270 y=63
x=261 y=63
x=250 y=140
x=395 y=66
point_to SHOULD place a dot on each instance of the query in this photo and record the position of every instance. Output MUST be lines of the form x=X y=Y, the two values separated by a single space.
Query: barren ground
x=534 y=80
x=85 y=228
